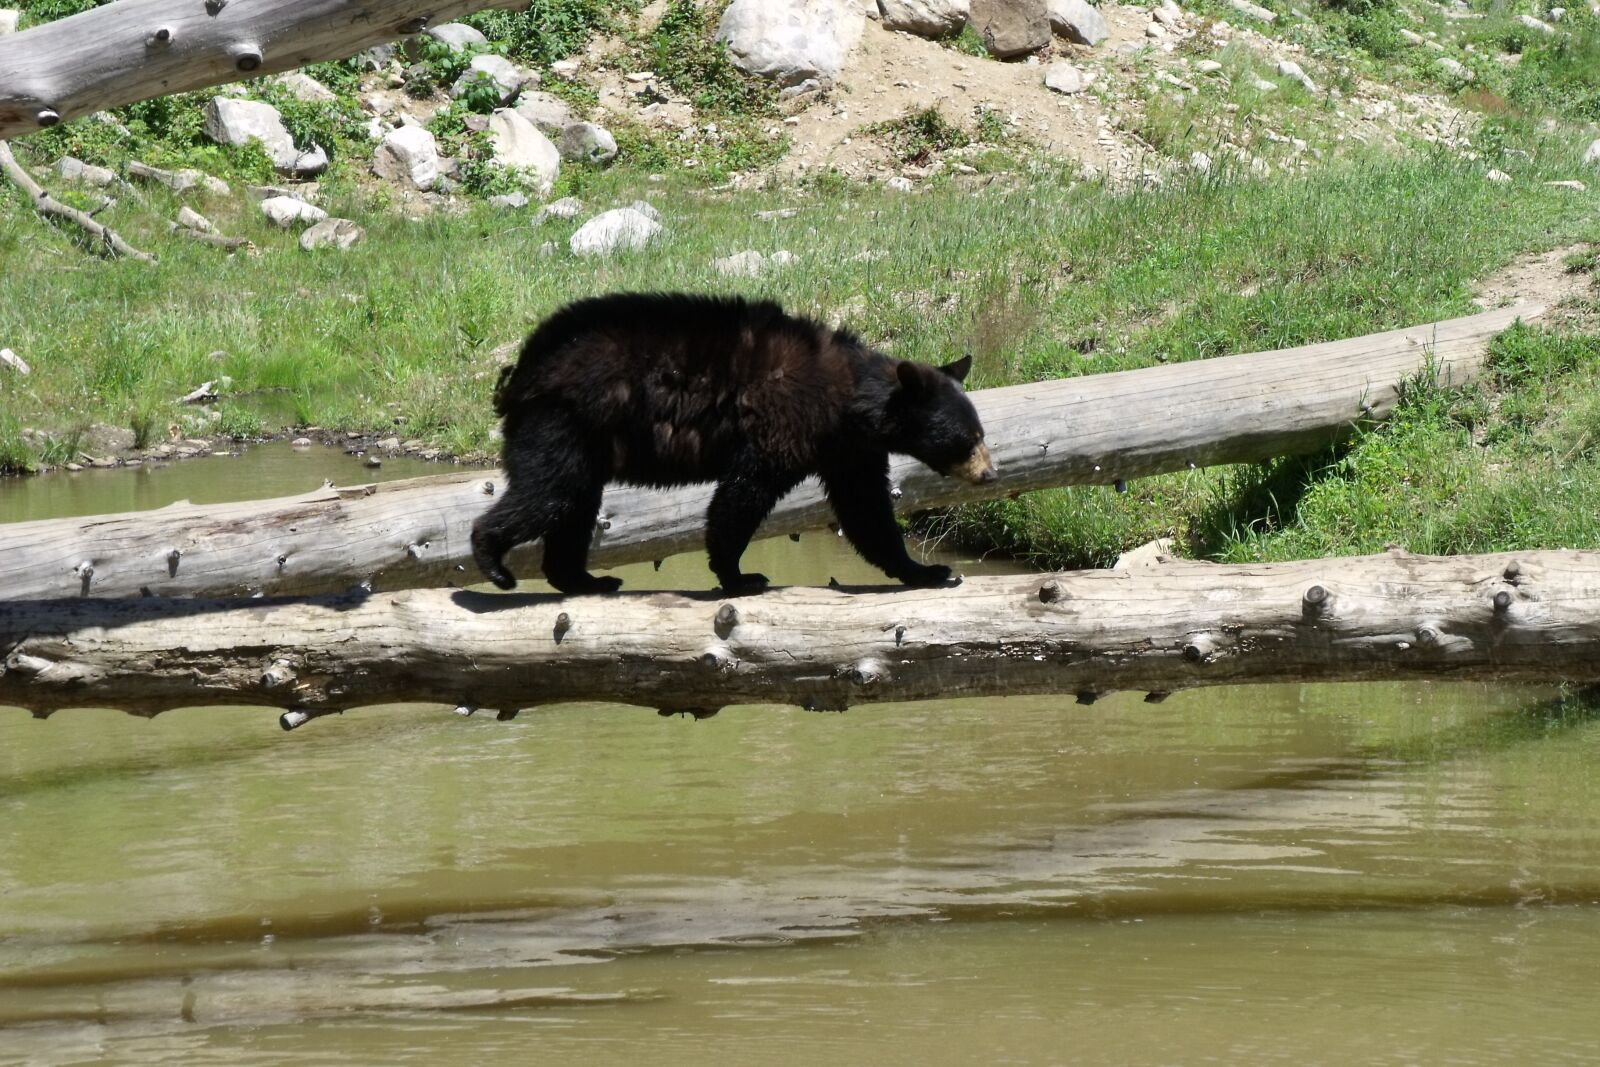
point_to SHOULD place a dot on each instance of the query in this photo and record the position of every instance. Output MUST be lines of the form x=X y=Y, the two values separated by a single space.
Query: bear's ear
x=960 y=368
x=910 y=375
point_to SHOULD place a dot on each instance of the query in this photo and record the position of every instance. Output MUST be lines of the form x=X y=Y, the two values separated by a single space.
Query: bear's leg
x=566 y=547
x=550 y=476
x=745 y=496
x=858 y=489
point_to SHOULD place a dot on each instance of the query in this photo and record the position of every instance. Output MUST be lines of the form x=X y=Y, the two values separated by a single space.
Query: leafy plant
x=684 y=54
x=918 y=135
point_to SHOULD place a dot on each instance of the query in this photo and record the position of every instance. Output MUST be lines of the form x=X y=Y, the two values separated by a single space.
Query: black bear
x=669 y=389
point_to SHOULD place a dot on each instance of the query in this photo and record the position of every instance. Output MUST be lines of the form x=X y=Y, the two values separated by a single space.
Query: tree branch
x=103 y=237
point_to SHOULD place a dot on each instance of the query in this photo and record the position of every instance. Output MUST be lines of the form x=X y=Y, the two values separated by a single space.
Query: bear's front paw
x=745 y=585
x=933 y=574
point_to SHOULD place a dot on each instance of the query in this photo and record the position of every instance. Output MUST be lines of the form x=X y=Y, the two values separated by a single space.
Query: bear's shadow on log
x=483 y=603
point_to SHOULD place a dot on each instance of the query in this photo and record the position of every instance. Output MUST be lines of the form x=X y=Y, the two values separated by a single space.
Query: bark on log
x=1090 y=430
x=135 y=49
x=102 y=238
x=1531 y=617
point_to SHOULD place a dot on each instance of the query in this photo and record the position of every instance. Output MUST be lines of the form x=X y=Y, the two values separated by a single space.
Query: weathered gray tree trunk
x=1532 y=617
x=135 y=49
x=1090 y=430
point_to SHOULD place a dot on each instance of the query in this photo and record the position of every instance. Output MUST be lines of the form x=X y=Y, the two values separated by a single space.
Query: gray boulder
x=286 y=211
x=790 y=42
x=620 y=229
x=409 y=153
x=72 y=169
x=1011 y=27
x=231 y=121
x=498 y=71
x=304 y=87
x=1077 y=21
x=519 y=145
x=545 y=110
x=926 y=18
x=584 y=142
x=332 y=233
x=458 y=35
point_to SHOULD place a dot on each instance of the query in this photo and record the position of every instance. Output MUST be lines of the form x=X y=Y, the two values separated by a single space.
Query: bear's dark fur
x=662 y=390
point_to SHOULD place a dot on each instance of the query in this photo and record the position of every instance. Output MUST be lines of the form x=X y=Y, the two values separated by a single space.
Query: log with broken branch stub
x=101 y=237
x=1092 y=430
x=132 y=50
x=1510 y=617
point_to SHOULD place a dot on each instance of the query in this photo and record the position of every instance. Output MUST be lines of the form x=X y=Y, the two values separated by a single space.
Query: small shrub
x=548 y=30
x=683 y=53
x=918 y=135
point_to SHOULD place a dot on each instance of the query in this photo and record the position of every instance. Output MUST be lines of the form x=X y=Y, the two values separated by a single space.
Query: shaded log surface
x=136 y=49
x=1532 y=617
x=1090 y=430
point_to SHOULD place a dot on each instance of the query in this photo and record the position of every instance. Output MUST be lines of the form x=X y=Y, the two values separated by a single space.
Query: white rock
x=545 y=110
x=1288 y=68
x=1452 y=68
x=584 y=142
x=8 y=24
x=620 y=229
x=1063 y=77
x=1263 y=85
x=1155 y=31
x=14 y=361
x=509 y=201
x=458 y=35
x=1413 y=37
x=927 y=18
x=506 y=77
x=303 y=86
x=1200 y=162
x=73 y=169
x=1499 y=177
x=790 y=42
x=568 y=207
x=306 y=163
x=1536 y=24
x=1169 y=15
x=900 y=184
x=232 y=121
x=1569 y=183
x=188 y=216
x=519 y=145
x=782 y=258
x=1149 y=556
x=565 y=68
x=1592 y=154
x=1208 y=66
x=1077 y=21
x=332 y=233
x=408 y=152
x=1556 y=14
x=1255 y=11
x=286 y=211
x=647 y=209
x=740 y=264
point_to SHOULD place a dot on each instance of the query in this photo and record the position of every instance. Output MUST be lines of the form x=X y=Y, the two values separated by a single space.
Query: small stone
x=1155 y=31
x=646 y=209
x=639 y=77
x=1263 y=85
x=1063 y=77
x=458 y=36
x=1200 y=162
x=621 y=229
x=565 y=68
x=191 y=218
x=1288 y=68
x=1208 y=66
x=10 y=359
x=1499 y=177
x=1592 y=154
x=784 y=213
x=505 y=76
x=305 y=88
x=1536 y=24
x=72 y=169
x=341 y=234
x=740 y=264
x=1569 y=183
x=509 y=201
x=584 y=142
x=1255 y=11
x=900 y=184
x=782 y=258
x=301 y=442
x=1454 y=69
x=568 y=207
x=1169 y=15
x=286 y=211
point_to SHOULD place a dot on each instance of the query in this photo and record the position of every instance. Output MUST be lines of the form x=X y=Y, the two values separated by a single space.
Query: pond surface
x=1319 y=874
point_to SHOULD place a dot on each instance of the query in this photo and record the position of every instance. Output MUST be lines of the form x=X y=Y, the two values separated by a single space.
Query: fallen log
x=1529 y=617
x=1098 y=429
x=134 y=49
x=102 y=238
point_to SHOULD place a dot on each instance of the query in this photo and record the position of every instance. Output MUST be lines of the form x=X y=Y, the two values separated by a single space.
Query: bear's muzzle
x=978 y=468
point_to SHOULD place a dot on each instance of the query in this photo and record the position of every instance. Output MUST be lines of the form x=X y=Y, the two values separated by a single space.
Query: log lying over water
x=1532 y=617
x=1090 y=430
x=135 y=49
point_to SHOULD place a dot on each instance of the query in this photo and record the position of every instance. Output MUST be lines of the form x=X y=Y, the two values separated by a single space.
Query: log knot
x=726 y=619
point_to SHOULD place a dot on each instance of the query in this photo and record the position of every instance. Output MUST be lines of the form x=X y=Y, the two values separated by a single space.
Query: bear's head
x=932 y=420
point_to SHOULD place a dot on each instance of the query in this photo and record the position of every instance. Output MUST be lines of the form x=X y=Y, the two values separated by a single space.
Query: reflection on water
x=1372 y=873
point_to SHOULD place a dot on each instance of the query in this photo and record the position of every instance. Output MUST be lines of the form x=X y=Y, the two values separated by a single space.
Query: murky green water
x=1322 y=874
